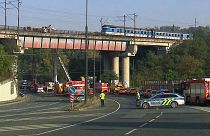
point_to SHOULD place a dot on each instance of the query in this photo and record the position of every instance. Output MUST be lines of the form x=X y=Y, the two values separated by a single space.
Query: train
x=139 y=32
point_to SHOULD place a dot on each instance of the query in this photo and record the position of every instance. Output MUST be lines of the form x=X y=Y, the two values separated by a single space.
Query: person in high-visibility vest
x=138 y=96
x=102 y=97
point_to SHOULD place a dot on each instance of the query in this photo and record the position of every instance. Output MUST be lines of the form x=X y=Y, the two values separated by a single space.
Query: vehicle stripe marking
x=143 y=125
x=169 y=101
x=130 y=131
x=164 y=102
x=68 y=126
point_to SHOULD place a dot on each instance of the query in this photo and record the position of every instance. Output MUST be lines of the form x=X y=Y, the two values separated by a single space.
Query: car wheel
x=145 y=105
x=174 y=104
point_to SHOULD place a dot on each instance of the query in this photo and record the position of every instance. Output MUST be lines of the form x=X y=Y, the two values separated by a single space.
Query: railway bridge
x=112 y=47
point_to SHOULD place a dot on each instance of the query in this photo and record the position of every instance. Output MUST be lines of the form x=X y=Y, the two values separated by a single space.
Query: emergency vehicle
x=197 y=91
x=103 y=87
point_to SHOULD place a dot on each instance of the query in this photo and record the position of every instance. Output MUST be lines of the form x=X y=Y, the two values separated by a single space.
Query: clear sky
x=70 y=14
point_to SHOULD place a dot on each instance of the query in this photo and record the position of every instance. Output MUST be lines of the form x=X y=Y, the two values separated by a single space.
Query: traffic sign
x=71 y=90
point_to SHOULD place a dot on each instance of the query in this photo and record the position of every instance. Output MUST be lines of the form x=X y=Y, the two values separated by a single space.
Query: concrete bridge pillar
x=106 y=62
x=126 y=70
x=55 y=64
x=115 y=62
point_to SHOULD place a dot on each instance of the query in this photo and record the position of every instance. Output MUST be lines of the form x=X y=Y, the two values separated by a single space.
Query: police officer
x=102 y=97
x=138 y=96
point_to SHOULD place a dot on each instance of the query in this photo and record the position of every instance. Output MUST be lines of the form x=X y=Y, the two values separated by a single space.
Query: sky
x=70 y=14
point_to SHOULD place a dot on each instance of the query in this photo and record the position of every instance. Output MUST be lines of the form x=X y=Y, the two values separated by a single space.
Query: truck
x=196 y=91
x=103 y=87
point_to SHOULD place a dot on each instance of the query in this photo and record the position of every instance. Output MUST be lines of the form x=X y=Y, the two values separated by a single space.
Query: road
x=48 y=115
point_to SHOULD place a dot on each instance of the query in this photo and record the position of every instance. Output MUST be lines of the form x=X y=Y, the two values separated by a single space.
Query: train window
x=118 y=30
x=178 y=35
x=145 y=32
x=112 y=30
x=142 y=32
x=121 y=30
x=157 y=33
x=169 y=34
x=128 y=31
x=131 y=31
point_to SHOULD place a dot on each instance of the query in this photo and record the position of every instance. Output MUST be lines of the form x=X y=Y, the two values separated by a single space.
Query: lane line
x=76 y=124
x=152 y=120
x=200 y=108
x=130 y=131
x=141 y=126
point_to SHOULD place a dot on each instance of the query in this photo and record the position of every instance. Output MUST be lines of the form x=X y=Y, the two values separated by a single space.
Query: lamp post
x=86 y=53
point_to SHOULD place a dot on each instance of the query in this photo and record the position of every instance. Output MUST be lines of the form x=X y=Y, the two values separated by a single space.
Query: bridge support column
x=106 y=62
x=126 y=70
x=115 y=61
x=55 y=64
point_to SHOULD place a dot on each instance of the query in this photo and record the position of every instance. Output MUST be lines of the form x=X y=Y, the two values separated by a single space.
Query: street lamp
x=86 y=53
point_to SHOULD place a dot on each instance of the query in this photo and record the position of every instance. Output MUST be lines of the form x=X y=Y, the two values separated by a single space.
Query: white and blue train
x=129 y=31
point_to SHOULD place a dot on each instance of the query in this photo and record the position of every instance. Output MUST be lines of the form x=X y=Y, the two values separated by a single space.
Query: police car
x=163 y=99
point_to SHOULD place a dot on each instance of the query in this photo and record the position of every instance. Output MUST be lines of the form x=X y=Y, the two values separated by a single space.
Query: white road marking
x=33 y=113
x=141 y=126
x=47 y=118
x=68 y=126
x=206 y=109
x=28 y=107
x=152 y=120
x=130 y=131
x=28 y=127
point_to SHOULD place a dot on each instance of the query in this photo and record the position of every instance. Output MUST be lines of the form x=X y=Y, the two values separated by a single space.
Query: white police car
x=162 y=99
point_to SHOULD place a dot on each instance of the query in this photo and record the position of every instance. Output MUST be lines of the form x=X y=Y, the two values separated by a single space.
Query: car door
x=155 y=101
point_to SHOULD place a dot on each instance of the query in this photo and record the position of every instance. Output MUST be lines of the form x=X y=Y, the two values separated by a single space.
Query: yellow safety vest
x=138 y=96
x=102 y=96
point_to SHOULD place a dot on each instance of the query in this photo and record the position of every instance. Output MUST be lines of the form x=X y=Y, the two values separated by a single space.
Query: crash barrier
x=8 y=90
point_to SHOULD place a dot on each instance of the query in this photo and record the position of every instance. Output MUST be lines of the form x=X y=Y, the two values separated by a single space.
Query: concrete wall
x=8 y=90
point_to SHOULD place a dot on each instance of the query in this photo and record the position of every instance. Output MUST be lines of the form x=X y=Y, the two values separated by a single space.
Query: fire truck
x=197 y=91
x=103 y=87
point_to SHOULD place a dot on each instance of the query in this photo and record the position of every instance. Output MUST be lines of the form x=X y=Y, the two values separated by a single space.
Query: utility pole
x=101 y=21
x=18 y=18
x=86 y=53
x=124 y=19
x=195 y=28
x=5 y=15
x=134 y=39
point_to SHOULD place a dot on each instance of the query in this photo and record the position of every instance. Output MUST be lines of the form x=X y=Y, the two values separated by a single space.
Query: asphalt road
x=48 y=115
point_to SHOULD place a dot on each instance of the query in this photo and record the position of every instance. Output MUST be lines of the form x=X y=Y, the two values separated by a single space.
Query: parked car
x=162 y=99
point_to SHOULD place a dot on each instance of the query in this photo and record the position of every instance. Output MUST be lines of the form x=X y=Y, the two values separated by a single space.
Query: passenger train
x=129 y=31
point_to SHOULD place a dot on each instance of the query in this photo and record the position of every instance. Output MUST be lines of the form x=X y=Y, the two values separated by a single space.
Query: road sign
x=71 y=90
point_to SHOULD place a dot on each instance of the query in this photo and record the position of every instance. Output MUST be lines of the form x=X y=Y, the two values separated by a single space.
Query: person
x=102 y=97
x=138 y=96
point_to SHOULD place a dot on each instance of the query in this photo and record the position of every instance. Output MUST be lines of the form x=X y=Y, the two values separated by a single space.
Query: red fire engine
x=103 y=87
x=197 y=91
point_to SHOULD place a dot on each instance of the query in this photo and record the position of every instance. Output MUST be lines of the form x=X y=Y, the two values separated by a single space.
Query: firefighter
x=138 y=96
x=102 y=97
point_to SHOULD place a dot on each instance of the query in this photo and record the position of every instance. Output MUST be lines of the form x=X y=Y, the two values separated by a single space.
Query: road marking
x=152 y=120
x=28 y=127
x=130 y=131
x=47 y=118
x=68 y=126
x=141 y=126
x=28 y=107
x=206 y=109
x=33 y=113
